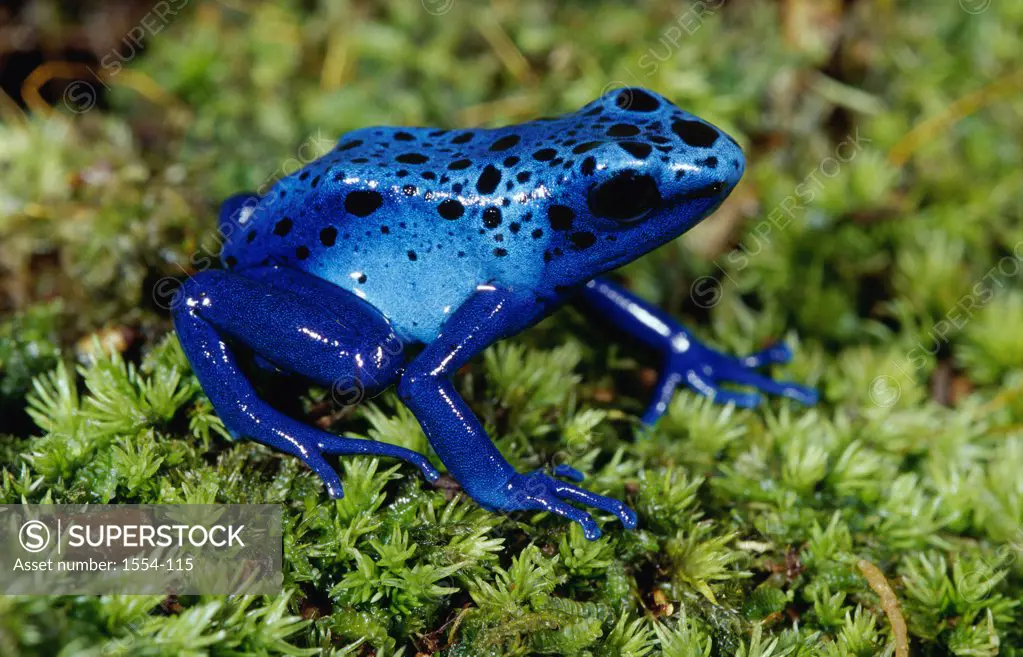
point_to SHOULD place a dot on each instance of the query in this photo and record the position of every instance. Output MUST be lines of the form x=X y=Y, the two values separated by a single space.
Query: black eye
x=626 y=198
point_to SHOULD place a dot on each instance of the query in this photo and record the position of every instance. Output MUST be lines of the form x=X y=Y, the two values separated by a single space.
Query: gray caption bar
x=187 y=549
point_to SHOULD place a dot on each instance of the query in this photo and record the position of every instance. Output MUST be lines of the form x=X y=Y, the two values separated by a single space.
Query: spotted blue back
x=414 y=219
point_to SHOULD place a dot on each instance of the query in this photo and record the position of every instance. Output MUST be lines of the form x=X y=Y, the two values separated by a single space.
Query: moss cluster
x=878 y=230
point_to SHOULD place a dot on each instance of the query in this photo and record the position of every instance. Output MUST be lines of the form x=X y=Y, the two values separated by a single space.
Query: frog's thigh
x=331 y=337
x=303 y=325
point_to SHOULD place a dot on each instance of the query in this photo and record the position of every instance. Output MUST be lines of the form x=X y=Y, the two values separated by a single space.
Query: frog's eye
x=627 y=197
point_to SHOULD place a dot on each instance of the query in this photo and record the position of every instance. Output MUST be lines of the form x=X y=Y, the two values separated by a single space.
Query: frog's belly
x=416 y=295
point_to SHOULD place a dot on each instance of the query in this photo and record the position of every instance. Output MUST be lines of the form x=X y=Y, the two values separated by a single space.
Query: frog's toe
x=538 y=491
x=327 y=474
x=739 y=399
x=329 y=444
x=709 y=387
x=568 y=472
x=802 y=394
x=742 y=373
x=423 y=463
x=778 y=353
x=567 y=491
x=590 y=528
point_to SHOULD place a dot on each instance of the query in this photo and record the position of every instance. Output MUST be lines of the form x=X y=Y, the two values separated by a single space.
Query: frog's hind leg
x=302 y=325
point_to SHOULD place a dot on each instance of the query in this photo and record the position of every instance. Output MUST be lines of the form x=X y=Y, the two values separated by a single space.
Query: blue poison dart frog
x=447 y=241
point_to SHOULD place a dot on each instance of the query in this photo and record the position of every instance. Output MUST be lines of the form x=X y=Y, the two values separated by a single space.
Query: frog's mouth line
x=707 y=191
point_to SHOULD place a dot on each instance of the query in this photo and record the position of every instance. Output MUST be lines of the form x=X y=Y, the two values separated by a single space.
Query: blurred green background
x=878 y=229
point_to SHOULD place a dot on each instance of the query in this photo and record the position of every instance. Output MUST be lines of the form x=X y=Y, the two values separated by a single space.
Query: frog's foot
x=331 y=444
x=704 y=370
x=539 y=491
x=300 y=326
x=311 y=445
x=686 y=361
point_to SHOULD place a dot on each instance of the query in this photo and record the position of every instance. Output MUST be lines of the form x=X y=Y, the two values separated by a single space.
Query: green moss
x=894 y=270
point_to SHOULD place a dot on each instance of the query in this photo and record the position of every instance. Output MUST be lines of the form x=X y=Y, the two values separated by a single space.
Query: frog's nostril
x=706 y=191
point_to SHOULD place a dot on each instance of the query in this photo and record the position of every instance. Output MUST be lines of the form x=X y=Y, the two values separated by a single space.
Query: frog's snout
x=707 y=163
x=734 y=161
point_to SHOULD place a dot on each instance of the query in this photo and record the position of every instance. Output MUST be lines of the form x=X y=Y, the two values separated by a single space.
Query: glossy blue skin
x=454 y=240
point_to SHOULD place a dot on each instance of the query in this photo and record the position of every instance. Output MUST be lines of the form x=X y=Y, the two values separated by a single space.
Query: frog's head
x=645 y=172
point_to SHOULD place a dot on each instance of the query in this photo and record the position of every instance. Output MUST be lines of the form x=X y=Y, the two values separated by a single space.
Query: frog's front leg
x=686 y=361
x=459 y=438
x=302 y=325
